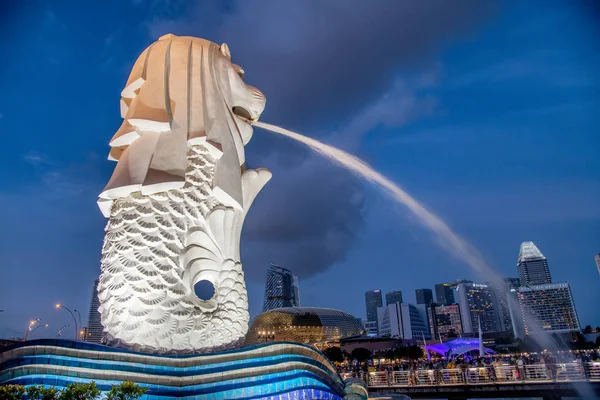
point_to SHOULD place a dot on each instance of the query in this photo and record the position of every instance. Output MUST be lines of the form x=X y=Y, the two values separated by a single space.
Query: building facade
x=404 y=321
x=445 y=321
x=424 y=296
x=373 y=300
x=444 y=294
x=476 y=303
x=549 y=307
x=281 y=289
x=95 y=330
x=393 y=297
x=532 y=265
x=370 y=327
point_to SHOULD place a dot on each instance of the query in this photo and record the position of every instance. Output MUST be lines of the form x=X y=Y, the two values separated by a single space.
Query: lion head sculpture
x=182 y=90
x=177 y=200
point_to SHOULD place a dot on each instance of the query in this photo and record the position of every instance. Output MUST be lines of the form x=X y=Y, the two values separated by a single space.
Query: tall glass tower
x=532 y=265
x=94 y=329
x=424 y=296
x=373 y=300
x=393 y=297
x=281 y=289
x=444 y=294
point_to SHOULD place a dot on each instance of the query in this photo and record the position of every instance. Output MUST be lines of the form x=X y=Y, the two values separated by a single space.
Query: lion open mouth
x=243 y=114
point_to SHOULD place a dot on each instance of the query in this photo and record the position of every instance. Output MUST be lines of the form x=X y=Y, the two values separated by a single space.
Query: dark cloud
x=321 y=60
x=321 y=63
x=306 y=219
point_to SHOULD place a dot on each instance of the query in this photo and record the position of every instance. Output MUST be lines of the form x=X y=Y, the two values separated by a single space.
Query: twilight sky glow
x=486 y=112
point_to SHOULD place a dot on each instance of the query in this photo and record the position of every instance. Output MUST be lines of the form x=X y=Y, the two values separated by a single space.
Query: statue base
x=270 y=371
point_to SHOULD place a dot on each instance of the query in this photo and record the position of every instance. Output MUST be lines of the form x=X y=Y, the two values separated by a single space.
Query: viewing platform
x=506 y=381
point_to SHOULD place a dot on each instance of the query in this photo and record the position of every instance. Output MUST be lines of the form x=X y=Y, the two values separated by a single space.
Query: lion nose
x=258 y=102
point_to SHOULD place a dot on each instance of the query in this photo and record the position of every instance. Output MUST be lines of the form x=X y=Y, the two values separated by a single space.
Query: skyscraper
x=372 y=301
x=548 y=307
x=281 y=289
x=393 y=297
x=444 y=294
x=532 y=265
x=597 y=258
x=95 y=330
x=424 y=296
x=476 y=304
x=505 y=297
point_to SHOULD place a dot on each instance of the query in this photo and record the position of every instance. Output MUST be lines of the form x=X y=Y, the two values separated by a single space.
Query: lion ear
x=224 y=49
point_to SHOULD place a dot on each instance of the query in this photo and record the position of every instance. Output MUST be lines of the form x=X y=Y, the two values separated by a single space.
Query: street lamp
x=38 y=327
x=78 y=315
x=74 y=320
x=31 y=324
x=62 y=329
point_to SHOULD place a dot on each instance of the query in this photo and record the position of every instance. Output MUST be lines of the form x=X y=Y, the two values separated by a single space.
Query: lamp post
x=79 y=316
x=74 y=320
x=62 y=329
x=38 y=327
x=31 y=324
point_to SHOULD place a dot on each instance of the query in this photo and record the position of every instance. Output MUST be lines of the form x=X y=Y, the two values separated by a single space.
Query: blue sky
x=486 y=112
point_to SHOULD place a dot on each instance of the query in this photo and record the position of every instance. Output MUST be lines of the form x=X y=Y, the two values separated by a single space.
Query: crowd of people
x=489 y=366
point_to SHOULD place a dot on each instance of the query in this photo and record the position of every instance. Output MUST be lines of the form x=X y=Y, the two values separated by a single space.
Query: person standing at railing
x=520 y=369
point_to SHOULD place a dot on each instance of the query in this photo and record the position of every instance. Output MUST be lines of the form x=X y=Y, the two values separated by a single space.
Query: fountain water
x=451 y=241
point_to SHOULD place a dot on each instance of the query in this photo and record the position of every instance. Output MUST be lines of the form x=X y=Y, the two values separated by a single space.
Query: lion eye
x=239 y=71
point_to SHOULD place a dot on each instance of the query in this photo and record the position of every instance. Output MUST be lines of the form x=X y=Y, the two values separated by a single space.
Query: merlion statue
x=177 y=200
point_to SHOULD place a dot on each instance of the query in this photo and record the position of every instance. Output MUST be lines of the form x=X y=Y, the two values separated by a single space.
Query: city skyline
x=446 y=110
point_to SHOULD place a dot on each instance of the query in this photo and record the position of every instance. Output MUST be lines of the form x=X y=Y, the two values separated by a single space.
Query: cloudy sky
x=486 y=112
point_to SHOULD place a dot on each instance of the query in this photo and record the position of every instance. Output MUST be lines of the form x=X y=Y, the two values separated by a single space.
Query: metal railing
x=565 y=372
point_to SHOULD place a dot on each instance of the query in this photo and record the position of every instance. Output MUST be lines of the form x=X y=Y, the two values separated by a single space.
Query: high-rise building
x=403 y=320
x=424 y=296
x=393 y=297
x=281 y=289
x=548 y=307
x=597 y=259
x=444 y=321
x=532 y=265
x=373 y=300
x=476 y=303
x=444 y=294
x=95 y=330
x=505 y=297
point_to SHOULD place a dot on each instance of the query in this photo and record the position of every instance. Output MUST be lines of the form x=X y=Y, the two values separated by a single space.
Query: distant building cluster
x=518 y=306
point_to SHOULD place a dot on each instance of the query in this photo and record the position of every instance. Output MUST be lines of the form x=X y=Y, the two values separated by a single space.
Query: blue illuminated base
x=266 y=371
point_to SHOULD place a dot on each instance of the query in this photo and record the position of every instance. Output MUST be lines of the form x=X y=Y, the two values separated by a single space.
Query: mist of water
x=449 y=240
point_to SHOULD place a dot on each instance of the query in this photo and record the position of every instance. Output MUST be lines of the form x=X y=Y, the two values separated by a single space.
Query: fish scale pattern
x=145 y=303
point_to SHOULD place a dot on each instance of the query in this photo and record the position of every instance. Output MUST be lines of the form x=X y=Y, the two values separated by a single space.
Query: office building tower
x=424 y=296
x=445 y=321
x=597 y=259
x=549 y=308
x=281 y=289
x=393 y=297
x=402 y=320
x=372 y=301
x=444 y=294
x=95 y=330
x=370 y=327
x=532 y=265
x=504 y=296
x=476 y=303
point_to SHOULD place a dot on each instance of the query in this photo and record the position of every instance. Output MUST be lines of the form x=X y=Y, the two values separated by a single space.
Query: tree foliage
x=361 y=354
x=43 y=393
x=334 y=354
x=12 y=392
x=125 y=391
x=75 y=391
